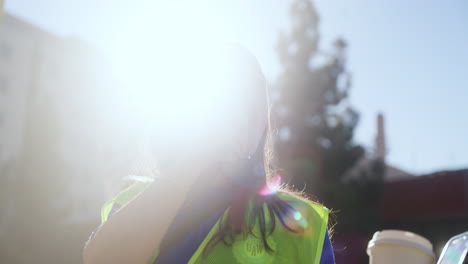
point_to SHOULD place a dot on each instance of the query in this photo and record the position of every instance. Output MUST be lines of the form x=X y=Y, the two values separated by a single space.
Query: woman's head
x=243 y=102
x=237 y=111
x=217 y=101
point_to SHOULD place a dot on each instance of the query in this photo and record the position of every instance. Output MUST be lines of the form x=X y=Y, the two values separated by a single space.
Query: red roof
x=437 y=195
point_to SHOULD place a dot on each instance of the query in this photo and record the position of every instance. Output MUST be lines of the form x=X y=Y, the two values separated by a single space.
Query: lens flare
x=297 y=215
x=296 y=220
x=300 y=220
x=272 y=187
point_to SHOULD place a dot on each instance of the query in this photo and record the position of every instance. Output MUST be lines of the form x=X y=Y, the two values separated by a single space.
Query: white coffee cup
x=397 y=246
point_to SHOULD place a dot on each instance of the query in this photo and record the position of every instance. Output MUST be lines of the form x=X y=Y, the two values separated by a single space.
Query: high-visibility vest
x=304 y=246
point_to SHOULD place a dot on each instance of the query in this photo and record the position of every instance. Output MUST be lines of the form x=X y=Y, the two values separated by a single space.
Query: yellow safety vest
x=288 y=247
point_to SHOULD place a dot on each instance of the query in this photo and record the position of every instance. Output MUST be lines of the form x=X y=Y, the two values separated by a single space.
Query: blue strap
x=328 y=257
x=185 y=249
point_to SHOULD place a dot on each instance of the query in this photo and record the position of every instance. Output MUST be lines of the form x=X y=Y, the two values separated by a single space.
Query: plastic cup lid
x=400 y=237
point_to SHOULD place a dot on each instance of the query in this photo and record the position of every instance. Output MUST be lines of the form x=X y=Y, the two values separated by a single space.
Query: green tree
x=312 y=113
x=315 y=122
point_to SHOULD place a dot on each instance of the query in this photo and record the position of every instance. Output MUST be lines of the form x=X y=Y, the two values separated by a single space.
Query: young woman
x=221 y=202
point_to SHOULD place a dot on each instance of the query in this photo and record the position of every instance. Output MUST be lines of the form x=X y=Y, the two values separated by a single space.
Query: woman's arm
x=134 y=232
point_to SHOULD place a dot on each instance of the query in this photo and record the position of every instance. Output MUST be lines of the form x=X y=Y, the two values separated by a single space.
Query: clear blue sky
x=409 y=60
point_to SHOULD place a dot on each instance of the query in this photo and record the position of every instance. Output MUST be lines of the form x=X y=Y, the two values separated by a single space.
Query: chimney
x=380 y=149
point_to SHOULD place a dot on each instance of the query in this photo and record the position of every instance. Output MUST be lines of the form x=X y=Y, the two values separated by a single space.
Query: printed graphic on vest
x=252 y=250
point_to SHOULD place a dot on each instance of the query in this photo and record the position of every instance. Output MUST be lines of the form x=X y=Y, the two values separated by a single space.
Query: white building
x=379 y=151
x=19 y=44
x=51 y=84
